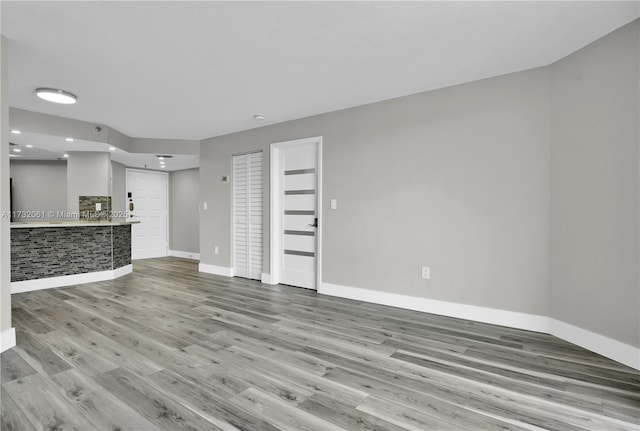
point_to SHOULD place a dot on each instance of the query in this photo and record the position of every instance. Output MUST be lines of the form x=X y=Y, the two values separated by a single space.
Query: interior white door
x=148 y=194
x=247 y=215
x=299 y=196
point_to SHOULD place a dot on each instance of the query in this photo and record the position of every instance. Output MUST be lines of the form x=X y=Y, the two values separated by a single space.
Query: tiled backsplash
x=88 y=211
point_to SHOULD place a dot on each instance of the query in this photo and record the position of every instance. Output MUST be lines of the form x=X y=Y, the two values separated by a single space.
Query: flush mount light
x=16 y=132
x=66 y=156
x=69 y=139
x=258 y=117
x=112 y=148
x=56 y=96
x=29 y=146
x=17 y=150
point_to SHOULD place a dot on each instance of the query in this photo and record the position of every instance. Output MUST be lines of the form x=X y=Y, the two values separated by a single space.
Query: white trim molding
x=266 y=279
x=277 y=206
x=605 y=346
x=184 y=254
x=531 y=322
x=69 y=280
x=7 y=339
x=215 y=269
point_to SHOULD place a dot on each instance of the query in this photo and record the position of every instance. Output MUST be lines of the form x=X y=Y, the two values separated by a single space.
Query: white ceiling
x=192 y=70
x=36 y=146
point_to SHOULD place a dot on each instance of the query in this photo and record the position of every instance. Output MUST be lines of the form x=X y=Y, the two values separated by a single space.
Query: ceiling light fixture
x=258 y=117
x=56 y=96
x=17 y=150
x=29 y=146
x=69 y=139
x=160 y=157
x=66 y=156
x=112 y=148
x=16 y=132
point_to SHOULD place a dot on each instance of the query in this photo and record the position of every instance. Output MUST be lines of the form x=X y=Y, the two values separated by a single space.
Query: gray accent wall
x=184 y=195
x=88 y=174
x=118 y=188
x=39 y=185
x=455 y=179
x=595 y=211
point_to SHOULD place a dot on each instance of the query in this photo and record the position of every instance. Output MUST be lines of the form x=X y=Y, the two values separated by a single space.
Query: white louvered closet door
x=247 y=215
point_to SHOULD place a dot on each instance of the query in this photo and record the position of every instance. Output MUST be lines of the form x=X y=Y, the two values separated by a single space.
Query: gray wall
x=118 y=188
x=88 y=174
x=5 y=252
x=39 y=185
x=184 y=195
x=596 y=186
x=456 y=179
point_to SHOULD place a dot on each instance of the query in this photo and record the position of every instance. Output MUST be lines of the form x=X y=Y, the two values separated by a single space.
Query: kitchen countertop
x=23 y=225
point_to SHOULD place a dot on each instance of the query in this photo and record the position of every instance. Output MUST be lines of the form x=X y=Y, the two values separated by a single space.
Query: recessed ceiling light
x=112 y=148
x=56 y=96
x=65 y=156
x=17 y=150
x=69 y=139
x=29 y=146
x=16 y=132
x=163 y=167
x=160 y=157
x=258 y=117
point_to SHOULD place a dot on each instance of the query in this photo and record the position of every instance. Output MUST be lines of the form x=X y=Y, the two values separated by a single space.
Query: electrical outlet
x=426 y=273
x=216 y=250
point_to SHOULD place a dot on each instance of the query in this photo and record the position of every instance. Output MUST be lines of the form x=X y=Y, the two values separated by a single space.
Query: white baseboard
x=7 y=339
x=69 y=280
x=215 y=269
x=184 y=254
x=266 y=279
x=605 y=346
x=123 y=270
x=531 y=322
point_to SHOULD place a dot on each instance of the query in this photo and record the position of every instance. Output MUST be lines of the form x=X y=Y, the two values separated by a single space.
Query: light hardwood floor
x=169 y=348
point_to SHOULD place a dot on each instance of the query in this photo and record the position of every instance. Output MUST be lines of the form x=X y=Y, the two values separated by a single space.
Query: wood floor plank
x=152 y=404
x=281 y=414
x=99 y=406
x=11 y=416
x=167 y=347
x=44 y=406
x=14 y=367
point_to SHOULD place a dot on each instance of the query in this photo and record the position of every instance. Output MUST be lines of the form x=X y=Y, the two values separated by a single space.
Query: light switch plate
x=333 y=203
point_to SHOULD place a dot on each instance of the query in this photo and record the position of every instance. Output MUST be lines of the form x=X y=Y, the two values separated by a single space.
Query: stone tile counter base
x=56 y=256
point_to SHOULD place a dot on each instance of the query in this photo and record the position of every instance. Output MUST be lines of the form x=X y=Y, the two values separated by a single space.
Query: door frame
x=126 y=192
x=277 y=208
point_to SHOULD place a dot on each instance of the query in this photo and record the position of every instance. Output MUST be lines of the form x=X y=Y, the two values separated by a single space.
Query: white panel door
x=150 y=207
x=299 y=164
x=247 y=215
